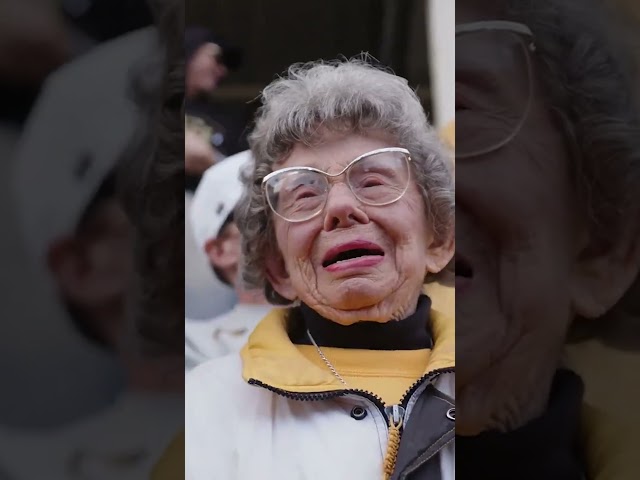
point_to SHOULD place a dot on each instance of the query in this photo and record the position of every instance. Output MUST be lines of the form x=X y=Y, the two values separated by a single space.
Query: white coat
x=270 y=414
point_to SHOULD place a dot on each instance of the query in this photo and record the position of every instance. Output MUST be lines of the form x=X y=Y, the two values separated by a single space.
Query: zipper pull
x=395 y=414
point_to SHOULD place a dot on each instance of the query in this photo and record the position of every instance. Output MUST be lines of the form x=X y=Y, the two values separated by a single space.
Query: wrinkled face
x=354 y=261
x=516 y=239
x=205 y=70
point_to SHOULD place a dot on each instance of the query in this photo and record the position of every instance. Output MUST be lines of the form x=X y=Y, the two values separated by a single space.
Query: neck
x=250 y=297
x=411 y=333
x=400 y=304
x=191 y=91
x=195 y=94
x=244 y=296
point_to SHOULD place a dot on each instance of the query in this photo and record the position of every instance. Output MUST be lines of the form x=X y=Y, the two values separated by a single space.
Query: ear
x=220 y=254
x=439 y=254
x=600 y=279
x=278 y=276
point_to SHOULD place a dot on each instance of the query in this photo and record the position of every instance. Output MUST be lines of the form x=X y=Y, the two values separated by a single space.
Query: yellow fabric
x=611 y=445
x=271 y=358
x=171 y=463
x=443 y=298
x=387 y=374
x=448 y=134
x=611 y=432
x=610 y=375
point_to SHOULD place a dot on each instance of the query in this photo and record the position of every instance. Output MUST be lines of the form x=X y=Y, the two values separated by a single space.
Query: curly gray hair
x=588 y=78
x=348 y=96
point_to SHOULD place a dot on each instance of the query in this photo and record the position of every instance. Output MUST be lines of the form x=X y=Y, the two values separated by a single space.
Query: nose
x=342 y=209
x=220 y=70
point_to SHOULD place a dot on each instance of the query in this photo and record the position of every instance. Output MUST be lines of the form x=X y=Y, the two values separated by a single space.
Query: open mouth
x=351 y=251
x=463 y=268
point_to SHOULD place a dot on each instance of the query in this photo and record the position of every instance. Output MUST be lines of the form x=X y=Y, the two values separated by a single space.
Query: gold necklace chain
x=326 y=360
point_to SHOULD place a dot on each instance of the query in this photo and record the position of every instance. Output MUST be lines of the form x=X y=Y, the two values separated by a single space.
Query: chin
x=347 y=306
x=356 y=295
x=481 y=341
x=505 y=365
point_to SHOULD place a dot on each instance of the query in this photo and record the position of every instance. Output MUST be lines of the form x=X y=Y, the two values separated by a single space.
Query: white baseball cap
x=82 y=122
x=218 y=193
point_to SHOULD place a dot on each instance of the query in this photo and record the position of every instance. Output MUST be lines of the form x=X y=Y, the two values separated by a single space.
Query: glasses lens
x=380 y=178
x=296 y=195
x=493 y=89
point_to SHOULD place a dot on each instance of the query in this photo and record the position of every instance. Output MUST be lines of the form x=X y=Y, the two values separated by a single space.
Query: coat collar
x=272 y=359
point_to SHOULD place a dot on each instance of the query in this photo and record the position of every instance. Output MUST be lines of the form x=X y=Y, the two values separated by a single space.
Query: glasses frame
x=521 y=30
x=407 y=156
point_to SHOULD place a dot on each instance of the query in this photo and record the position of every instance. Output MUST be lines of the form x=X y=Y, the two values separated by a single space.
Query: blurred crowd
x=80 y=399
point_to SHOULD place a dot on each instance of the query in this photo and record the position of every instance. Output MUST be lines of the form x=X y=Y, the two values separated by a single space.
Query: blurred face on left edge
x=380 y=290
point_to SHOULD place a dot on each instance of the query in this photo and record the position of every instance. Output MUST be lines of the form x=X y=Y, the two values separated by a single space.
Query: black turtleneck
x=546 y=448
x=412 y=333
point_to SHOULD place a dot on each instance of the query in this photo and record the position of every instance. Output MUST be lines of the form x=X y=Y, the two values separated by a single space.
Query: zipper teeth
x=407 y=396
x=375 y=399
x=312 y=397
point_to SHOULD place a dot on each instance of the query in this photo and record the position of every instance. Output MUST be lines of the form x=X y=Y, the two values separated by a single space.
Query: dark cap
x=195 y=37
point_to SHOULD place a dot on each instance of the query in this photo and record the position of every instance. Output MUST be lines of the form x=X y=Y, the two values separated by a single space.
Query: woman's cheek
x=295 y=244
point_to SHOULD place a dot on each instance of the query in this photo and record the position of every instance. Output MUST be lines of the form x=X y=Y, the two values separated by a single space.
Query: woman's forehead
x=333 y=153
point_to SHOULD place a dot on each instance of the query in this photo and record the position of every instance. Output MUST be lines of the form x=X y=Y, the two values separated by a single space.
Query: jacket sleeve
x=209 y=422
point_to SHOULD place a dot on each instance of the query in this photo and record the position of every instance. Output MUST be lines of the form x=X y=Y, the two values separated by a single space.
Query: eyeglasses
x=494 y=85
x=376 y=178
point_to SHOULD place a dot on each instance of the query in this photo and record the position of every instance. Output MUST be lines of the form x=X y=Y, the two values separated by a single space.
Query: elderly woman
x=547 y=209
x=349 y=212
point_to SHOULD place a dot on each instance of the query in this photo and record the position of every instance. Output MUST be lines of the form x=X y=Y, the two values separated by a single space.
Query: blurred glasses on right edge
x=494 y=84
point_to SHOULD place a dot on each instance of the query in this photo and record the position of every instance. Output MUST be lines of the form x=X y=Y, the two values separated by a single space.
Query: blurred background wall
x=275 y=34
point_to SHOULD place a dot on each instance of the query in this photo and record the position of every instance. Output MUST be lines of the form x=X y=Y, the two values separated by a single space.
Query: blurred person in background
x=77 y=228
x=72 y=225
x=217 y=234
x=34 y=40
x=207 y=62
x=547 y=232
x=37 y=36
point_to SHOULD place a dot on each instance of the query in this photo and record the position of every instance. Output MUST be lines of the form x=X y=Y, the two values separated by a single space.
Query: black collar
x=548 y=447
x=412 y=333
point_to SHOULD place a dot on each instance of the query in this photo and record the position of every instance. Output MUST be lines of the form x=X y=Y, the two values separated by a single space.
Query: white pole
x=441 y=15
